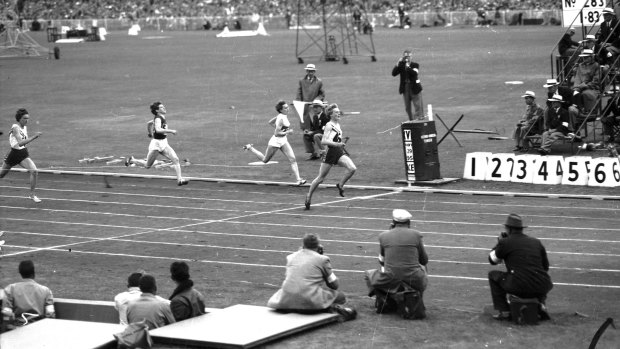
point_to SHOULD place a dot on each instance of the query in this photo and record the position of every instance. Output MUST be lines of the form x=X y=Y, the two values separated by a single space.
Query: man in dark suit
x=527 y=269
x=554 y=88
x=313 y=125
x=556 y=125
x=608 y=36
x=410 y=86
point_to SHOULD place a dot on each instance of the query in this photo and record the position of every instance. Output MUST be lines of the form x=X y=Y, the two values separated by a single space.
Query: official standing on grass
x=159 y=143
x=279 y=141
x=336 y=154
x=18 y=155
x=527 y=267
x=410 y=86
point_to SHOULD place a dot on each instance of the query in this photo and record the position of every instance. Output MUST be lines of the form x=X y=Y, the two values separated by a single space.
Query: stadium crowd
x=135 y=9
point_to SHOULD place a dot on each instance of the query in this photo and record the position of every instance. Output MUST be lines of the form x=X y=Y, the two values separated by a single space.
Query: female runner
x=336 y=155
x=279 y=141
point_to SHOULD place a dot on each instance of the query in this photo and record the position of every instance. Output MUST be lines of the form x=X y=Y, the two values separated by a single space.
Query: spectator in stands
x=609 y=36
x=18 y=155
x=553 y=88
x=310 y=285
x=611 y=118
x=313 y=127
x=185 y=302
x=357 y=18
x=587 y=83
x=410 y=86
x=556 y=125
x=527 y=269
x=148 y=307
x=530 y=123
x=401 y=15
x=133 y=292
x=403 y=261
x=27 y=301
x=568 y=48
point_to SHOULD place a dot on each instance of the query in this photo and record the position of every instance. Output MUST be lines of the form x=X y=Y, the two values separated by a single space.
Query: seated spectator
x=611 y=118
x=148 y=307
x=608 y=37
x=310 y=284
x=568 y=48
x=403 y=261
x=553 y=88
x=586 y=89
x=529 y=123
x=313 y=125
x=556 y=125
x=27 y=301
x=527 y=269
x=185 y=301
x=133 y=292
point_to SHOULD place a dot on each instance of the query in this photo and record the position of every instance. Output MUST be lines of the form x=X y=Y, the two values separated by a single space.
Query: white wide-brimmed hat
x=586 y=53
x=310 y=67
x=556 y=98
x=529 y=94
x=401 y=216
x=551 y=82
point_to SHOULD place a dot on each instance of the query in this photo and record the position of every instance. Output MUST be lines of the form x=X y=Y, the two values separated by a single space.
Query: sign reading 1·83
x=592 y=12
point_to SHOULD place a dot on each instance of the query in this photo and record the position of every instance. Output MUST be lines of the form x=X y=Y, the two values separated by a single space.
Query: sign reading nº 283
x=592 y=12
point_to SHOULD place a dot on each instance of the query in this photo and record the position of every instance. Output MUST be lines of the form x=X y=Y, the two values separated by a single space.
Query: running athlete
x=279 y=141
x=159 y=143
x=336 y=154
x=18 y=137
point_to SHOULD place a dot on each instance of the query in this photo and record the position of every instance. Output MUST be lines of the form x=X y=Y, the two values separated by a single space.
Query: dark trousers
x=500 y=287
x=415 y=99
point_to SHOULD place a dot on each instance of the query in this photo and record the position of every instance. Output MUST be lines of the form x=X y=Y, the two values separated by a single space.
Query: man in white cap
x=403 y=261
x=313 y=126
x=557 y=125
x=609 y=36
x=586 y=88
x=530 y=124
x=310 y=88
x=527 y=269
x=554 y=88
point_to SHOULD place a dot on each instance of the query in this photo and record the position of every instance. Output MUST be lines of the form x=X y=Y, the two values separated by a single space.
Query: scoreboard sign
x=592 y=12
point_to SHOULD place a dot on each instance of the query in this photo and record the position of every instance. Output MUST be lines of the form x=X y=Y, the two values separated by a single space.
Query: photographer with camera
x=410 y=86
x=527 y=269
x=304 y=290
x=403 y=261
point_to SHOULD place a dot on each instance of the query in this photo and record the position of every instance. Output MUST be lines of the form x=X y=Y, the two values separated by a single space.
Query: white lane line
x=336 y=270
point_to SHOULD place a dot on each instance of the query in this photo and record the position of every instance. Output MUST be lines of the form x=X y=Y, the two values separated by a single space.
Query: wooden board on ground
x=238 y=326
x=56 y=333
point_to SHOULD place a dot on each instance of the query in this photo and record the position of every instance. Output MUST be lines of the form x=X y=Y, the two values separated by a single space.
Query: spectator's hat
x=590 y=37
x=550 y=82
x=529 y=94
x=608 y=11
x=310 y=67
x=514 y=221
x=318 y=102
x=586 y=53
x=555 y=98
x=571 y=29
x=401 y=216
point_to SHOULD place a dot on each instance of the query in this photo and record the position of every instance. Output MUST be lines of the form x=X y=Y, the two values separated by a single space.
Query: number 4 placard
x=548 y=170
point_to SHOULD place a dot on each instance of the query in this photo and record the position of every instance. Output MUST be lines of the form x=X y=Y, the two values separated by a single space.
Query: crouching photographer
x=527 y=267
x=308 y=271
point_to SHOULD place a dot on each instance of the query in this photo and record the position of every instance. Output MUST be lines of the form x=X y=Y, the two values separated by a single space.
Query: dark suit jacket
x=555 y=120
x=606 y=30
x=408 y=73
x=567 y=96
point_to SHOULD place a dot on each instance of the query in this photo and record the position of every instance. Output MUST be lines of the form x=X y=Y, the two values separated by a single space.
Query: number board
x=592 y=12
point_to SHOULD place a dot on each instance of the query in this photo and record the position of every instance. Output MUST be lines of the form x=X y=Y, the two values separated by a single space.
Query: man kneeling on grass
x=310 y=285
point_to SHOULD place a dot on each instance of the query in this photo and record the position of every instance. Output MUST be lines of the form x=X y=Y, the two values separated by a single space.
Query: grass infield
x=220 y=93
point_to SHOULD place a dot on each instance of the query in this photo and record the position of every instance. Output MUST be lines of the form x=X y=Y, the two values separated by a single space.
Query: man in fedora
x=609 y=36
x=530 y=123
x=556 y=125
x=410 y=86
x=527 y=267
x=313 y=126
x=402 y=260
x=310 y=88
x=586 y=88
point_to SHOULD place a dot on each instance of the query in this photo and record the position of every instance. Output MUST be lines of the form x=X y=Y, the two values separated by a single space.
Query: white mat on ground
x=238 y=326
x=69 y=41
x=226 y=33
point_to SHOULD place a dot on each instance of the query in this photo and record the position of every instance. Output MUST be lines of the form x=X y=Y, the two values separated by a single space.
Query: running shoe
x=247 y=146
x=182 y=182
x=128 y=160
x=307 y=203
x=301 y=182
x=35 y=198
x=340 y=189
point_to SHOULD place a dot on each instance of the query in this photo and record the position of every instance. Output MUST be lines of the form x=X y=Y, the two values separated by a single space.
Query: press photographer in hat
x=403 y=261
x=527 y=267
x=312 y=127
